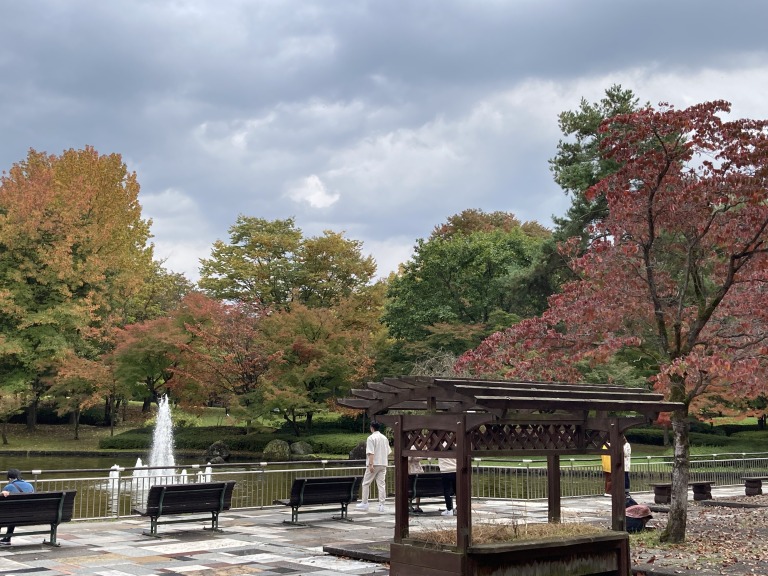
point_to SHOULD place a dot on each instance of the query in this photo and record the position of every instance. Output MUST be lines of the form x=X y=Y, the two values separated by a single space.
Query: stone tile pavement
x=254 y=541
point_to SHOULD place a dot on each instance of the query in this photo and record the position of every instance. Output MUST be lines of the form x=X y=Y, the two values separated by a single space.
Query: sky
x=376 y=118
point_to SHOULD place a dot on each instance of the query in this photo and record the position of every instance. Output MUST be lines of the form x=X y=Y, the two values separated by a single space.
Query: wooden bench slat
x=180 y=499
x=425 y=485
x=320 y=490
x=38 y=508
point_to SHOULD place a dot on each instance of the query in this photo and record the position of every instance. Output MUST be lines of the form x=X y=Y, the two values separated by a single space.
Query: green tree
x=459 y=285
x=271 y=262
x=160 y=294
x=331 y=268
x=578 y=165
x=259 y=263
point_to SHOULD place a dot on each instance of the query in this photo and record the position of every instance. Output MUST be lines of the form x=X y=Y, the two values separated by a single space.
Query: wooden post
x=401 y=482
x=553 y=487
x=463 y=487
x=618 y=497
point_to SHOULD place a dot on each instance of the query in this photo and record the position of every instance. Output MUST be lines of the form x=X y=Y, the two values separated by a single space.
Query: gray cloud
x=377 y=118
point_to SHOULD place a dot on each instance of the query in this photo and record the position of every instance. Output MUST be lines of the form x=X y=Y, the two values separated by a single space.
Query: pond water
x=26 y=463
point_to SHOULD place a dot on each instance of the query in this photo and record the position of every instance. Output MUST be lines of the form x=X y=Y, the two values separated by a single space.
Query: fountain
x=161 y=454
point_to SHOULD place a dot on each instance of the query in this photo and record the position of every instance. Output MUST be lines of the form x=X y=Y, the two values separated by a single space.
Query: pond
x=26 y=463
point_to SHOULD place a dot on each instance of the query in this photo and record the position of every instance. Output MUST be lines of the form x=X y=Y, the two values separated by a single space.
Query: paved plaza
x=257 y=541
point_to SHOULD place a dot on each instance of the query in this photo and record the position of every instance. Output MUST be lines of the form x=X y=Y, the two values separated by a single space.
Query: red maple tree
x=678 y=273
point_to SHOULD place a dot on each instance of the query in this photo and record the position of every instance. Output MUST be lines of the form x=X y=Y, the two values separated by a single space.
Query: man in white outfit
x=376 y=452
x=627 y=463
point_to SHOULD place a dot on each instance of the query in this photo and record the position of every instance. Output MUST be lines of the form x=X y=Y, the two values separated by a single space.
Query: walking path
x=256 y=541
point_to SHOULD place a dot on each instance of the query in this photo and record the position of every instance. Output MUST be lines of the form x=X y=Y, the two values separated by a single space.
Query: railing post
x=476 y=473
x=743 y=464
x=527 y=479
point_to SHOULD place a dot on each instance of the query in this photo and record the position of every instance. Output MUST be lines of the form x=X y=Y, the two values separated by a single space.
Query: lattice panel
x=524 y=437
x=439 y=440
x=595 y=439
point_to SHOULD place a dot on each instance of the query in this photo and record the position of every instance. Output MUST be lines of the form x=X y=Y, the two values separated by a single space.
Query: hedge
x=234 y=437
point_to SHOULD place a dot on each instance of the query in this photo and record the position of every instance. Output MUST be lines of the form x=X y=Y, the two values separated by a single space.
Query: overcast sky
x=377 y=118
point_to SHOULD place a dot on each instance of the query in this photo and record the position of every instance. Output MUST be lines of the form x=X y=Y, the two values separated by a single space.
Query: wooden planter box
x=604 y=554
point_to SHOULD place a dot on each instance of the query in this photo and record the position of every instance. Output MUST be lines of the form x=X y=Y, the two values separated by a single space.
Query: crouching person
x=637 y=517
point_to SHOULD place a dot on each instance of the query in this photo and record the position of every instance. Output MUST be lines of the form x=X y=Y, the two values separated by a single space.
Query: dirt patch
x=719 y=540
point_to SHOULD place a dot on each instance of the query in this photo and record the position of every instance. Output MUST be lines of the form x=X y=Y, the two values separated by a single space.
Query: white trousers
x=379 y=474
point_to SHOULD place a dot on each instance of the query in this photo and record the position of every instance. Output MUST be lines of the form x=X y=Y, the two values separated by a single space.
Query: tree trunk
x=666 y=436
x=309 y=421
x=294 y=424
x=108 y=409
x=76 y=419
x=146 y=406
x=32 y=414
x=5 y=432
x=678 y=509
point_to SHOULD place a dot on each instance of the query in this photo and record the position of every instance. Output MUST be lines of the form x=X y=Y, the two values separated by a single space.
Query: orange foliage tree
x=73 y=246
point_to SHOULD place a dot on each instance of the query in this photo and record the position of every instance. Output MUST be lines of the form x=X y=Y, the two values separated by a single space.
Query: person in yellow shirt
x=606 y=458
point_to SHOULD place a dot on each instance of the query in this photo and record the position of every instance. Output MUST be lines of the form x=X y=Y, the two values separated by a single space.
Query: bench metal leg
x=152 y=528
x=52 y=536
x=214 y=522
x=344 y=515
x=294 y=517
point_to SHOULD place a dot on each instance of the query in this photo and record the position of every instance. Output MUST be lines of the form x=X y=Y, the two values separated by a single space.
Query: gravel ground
x=719 y=540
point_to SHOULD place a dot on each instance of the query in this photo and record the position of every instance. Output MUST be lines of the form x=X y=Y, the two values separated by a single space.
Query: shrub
x=730 y=429
x=699 y=439
x=136 y=439
x=341 y=443
x=652 y=436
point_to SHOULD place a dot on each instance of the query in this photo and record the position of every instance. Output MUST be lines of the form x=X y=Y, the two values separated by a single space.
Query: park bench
x=662 y=491
x=181 y=499
x=340 y=490
x=753 y=485
x=35 y=509
x=424 y=485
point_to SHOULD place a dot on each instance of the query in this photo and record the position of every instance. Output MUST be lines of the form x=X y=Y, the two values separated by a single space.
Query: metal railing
x=112 y=493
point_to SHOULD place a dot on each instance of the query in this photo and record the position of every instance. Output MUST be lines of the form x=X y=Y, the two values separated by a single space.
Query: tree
x=73 y=246
x=160 y=293
x=224 y=357
x=270 y=262
x=580 y=162
x=331 y=268
x=459 y=285
x=323 y=352
x=677 y=275
x=578 y=165
x=259 y=263
x=78 y=385
x=144 y=356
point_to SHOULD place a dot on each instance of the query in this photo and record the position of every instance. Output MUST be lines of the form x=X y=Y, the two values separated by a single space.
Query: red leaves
x=679 y=273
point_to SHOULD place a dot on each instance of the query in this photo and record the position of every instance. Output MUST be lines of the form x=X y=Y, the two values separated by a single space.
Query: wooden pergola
x=465 y=418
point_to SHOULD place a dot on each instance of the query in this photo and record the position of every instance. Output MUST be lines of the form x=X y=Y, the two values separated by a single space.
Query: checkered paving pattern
x=254 y=541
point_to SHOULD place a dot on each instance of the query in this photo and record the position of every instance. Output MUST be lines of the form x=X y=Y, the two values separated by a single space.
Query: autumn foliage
x=678 y=269
x=676 y=275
